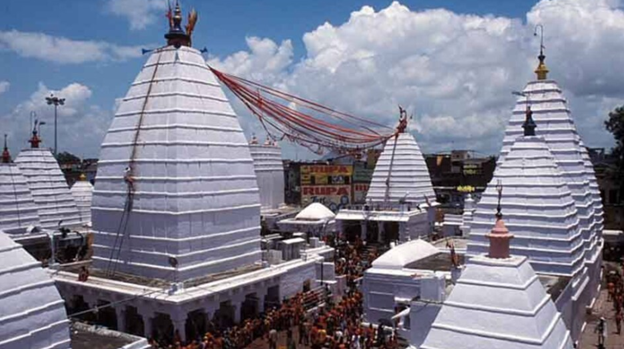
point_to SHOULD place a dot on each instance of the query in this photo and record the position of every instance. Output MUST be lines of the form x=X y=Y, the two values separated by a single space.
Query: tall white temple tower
x=552 y=208
x=556 y=125
x=176 y=195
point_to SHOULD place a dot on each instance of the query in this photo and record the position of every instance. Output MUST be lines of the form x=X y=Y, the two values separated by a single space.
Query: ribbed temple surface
x=401 y=174
x=554 y=123
x=538 y=208
x=83 y=194
x=33 y=314
x=270 y=172
x=195 y=190
x=17 y=206
x=48 y=187
x=498 y=303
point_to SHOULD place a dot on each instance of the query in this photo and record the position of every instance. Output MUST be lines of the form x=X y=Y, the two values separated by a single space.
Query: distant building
x=610 y=191
x=457 y=173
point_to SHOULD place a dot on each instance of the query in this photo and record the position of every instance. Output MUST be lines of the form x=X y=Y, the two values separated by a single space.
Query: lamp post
x=56 y=101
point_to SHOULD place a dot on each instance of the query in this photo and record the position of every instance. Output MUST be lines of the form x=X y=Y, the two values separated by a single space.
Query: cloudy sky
x=453 y=63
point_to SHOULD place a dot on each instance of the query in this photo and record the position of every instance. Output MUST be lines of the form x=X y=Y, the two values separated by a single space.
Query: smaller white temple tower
x=269 y=169
x=498 y=302
x=47 y=184
x=33 y=314
x=400 y=202
x=17 y=206
x=82 y=191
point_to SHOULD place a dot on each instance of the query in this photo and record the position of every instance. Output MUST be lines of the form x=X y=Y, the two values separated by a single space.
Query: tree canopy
x=615 y=125
x=67 y=158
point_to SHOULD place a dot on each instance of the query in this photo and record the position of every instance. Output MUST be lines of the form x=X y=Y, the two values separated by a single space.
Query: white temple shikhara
x=82 y=191
x=498 y=302
x=553 y=208
x=269 y=169
x=33 y=314
x=400 y=199
x=175 y=168
x=17 y=206
x=47 y=184
x=176 y=207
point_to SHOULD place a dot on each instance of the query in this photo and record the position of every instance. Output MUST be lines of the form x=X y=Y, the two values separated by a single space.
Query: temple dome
x=33 y=314
x=195 y=199
x=48 y=187
x=555 y=124
x=539 y=209
x=17 y=206
x=315 y=212
x=401 y=174
x=498 y=303
x=82 y=191
x=270 y=172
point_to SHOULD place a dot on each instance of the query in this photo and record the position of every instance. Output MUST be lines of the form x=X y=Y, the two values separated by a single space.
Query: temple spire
x=177 y=36
x=35 y=140
x=6 y=156
x=499 y=236
x=542 y=70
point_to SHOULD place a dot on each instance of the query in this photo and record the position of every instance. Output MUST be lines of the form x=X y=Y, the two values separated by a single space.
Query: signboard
x=334 y=197
x=326 y=174
x=472 y=169
x=359 y=192
x=361 y=173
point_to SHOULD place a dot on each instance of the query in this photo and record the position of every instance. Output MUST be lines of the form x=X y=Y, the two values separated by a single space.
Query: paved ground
x=589 y=340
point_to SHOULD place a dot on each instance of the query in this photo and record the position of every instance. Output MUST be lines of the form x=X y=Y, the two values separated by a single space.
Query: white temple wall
x=594 y=269
x=381 y=291
x=293 y=281
x=419 y=226
x=565 y=306
x=422 y=315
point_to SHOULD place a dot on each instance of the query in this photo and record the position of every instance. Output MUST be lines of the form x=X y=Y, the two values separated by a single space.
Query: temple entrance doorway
x=196 y=324
x=249 y=308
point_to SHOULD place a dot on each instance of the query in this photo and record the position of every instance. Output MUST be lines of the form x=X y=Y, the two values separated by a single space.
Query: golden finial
x=542 y=70
x=83 y=177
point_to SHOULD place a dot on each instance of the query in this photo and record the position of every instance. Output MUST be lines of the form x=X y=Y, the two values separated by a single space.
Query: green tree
x=615 y=125
x=67 y=158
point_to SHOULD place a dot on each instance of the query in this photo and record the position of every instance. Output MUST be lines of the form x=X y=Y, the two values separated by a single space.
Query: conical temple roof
x=316 y=211
x=538 y=207
x=48 y=187
x=33 y=314
x=555 y=124
x=270 y=172
x=498 y=303
x=175 y=177
x=401 y=174
x=17 y=206
x=82 y=191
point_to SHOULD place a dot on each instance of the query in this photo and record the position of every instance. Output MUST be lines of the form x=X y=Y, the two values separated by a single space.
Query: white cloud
x=62 y=50
x=81 y=125
x=140 y=13
x=455 y=72
x=4 y=86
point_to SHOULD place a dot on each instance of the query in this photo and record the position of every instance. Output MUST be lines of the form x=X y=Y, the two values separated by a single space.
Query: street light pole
x=56 y=101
